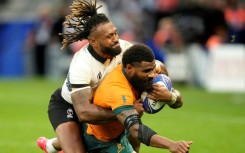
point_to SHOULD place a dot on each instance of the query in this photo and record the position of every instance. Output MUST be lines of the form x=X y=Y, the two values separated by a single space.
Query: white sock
x=49 y=146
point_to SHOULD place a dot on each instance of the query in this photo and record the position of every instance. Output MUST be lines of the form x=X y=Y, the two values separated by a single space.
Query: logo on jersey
x=119 y=62
x=69 y=113
x=124 y=99
x=99 y=76
x=119 y=147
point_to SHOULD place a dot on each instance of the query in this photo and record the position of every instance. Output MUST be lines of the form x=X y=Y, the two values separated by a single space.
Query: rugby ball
x=151 y=106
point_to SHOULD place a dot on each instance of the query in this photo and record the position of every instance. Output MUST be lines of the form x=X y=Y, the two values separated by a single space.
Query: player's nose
x=151 y=74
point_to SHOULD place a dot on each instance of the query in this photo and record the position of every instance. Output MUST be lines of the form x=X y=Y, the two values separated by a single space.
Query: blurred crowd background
x=200 y=41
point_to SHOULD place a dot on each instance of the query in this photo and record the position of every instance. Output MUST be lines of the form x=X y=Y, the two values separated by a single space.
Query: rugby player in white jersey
x=71 y=104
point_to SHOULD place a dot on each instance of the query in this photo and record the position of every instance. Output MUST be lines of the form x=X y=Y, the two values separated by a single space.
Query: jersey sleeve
x=121 y=100
x=125 y=45
x=79 y=72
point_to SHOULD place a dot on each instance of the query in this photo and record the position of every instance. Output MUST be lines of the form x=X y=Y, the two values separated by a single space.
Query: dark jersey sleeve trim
x=122 y=108
x=79 y=85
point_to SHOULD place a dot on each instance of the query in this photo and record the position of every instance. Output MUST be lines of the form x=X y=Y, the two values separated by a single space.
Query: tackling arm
x=87 y=111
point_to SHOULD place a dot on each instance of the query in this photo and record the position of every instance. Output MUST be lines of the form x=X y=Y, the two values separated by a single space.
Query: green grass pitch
x=215 y=122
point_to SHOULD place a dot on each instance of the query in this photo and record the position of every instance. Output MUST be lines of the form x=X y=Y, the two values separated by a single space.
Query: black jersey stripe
x=79 y=85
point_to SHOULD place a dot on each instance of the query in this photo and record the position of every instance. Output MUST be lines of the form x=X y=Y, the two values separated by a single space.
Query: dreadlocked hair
x=82 y=19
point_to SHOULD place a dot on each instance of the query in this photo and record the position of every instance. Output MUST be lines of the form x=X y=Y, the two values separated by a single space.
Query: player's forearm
x=96 y=115
x=160 y=142
x=88 y=112
x=150 y=138
x=173 y=146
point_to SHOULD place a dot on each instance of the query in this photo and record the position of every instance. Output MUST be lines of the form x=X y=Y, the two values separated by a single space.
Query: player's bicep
x=124 y=114
x=81 y=96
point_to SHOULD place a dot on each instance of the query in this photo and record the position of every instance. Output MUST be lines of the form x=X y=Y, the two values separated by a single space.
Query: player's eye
x=147 y=70
x=109 y=36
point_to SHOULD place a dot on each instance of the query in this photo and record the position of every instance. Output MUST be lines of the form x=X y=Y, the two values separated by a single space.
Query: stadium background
x=201 y=42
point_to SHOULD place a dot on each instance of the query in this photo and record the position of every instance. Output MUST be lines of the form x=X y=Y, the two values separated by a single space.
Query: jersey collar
x=95 y=55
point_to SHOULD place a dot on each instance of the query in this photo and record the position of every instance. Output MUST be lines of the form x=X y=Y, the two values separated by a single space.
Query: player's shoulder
x=83 y=55
x=117 y=71
x=125 y=44
x=116 y=77
x=82 y=51
x=83 y=59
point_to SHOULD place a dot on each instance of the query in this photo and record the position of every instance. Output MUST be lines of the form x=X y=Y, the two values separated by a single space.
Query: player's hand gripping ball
x=151 y=106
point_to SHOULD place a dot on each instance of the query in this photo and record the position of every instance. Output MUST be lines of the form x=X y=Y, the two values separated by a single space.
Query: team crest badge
x=69 y=113
x=119 y=148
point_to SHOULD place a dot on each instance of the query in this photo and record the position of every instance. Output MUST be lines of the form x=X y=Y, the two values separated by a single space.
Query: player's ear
x=92 y=41
x=130 y=68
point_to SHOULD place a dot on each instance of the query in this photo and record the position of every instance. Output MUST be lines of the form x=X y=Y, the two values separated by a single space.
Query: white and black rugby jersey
x=87 y=69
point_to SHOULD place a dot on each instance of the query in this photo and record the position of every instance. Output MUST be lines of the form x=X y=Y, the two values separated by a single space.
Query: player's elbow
x=83 y=116
x=83 y=112
x=134 y=130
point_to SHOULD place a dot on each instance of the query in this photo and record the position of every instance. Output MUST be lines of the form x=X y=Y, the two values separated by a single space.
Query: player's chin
x=117 y=49
x=149 y=83
x=148 y=87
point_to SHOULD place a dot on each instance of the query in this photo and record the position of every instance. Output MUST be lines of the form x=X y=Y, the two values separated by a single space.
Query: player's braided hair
x=82 y=19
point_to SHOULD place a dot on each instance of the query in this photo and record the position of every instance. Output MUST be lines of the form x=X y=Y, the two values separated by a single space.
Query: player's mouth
x=116 y=45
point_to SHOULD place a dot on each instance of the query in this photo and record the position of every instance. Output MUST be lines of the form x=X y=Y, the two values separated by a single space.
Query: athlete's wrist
x=173 y=99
